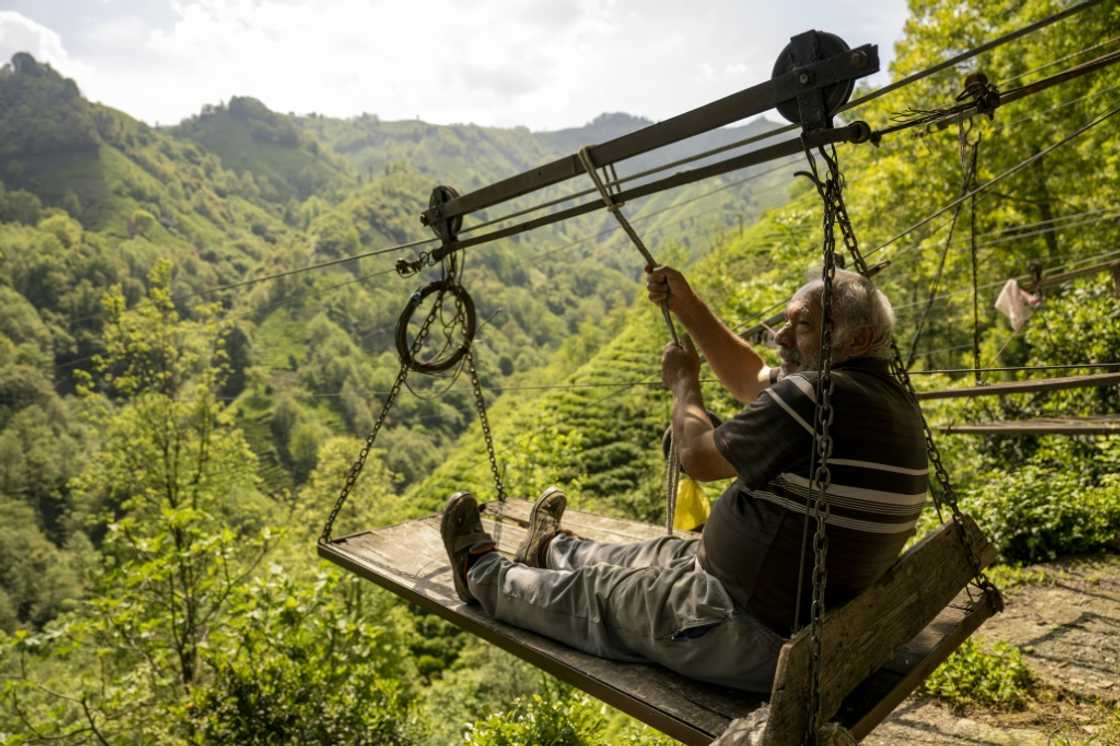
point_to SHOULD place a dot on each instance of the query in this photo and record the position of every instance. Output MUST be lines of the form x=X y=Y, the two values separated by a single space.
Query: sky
x=544 y=64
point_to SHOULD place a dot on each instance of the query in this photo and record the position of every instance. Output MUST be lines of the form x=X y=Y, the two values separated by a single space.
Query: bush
x=306 y=665
x=556 y=717
x=1039 y=513
x=998 y=678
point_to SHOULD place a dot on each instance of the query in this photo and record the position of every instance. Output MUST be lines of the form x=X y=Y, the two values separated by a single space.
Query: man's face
x=799 y=338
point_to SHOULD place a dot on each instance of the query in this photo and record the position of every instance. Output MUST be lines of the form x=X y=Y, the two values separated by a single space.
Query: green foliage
x=19 y=206
x=41 y=111
x=38 y=580
x=1036 y=513
x=554 y=716
x=973 y=677
x=141 y=223
x=305 y=663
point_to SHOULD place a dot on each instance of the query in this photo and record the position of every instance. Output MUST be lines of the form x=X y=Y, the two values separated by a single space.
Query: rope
x=672 y=483
x=616 y=210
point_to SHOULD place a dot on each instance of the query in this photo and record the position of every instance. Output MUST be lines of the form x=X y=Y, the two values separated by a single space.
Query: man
x=719 y=608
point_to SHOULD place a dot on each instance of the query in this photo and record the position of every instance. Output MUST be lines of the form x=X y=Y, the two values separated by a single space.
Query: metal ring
x=403 y=348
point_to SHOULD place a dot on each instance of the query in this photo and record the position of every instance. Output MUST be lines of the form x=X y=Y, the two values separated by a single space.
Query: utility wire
x=1108 y=42
x=992 y=182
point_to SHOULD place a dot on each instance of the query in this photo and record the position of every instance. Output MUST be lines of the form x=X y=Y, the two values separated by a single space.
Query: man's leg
x=570 y=552
x=678 y=616
x=547 y=544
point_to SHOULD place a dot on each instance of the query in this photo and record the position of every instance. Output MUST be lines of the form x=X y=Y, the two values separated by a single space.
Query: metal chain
x=945 y=494
x=480 y=405
x=359 y=464
x=822 y=439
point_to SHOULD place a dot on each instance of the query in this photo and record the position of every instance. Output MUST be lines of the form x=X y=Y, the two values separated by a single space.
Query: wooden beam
x=1073 y=274
x=1106 y=424
x=1023 y=387
x=874 y=700
x=860 y=637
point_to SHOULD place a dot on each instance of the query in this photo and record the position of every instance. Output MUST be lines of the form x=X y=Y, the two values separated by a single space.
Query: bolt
x=804 y=78
x=859 y=59
x=424 y=218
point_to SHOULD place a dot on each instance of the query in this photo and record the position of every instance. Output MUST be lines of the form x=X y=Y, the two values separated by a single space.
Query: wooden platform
x=409 y=560
x=1024 y=387
x=1105 y=424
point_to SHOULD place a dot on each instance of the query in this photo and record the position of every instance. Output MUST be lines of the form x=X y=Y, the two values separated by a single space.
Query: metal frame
x=757 y=99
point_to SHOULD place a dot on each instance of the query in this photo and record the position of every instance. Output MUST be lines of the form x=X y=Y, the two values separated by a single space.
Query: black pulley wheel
x=836 y=95
x=447 y=230
x=404 y=349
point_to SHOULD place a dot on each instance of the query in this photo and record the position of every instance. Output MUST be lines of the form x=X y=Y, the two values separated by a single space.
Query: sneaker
x=464 y=539
x=544 y=523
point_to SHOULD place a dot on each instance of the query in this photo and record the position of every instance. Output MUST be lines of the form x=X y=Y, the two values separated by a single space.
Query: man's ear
x=859 y=341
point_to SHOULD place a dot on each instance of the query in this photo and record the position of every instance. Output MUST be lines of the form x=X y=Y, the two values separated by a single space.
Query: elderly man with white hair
x=719 y=608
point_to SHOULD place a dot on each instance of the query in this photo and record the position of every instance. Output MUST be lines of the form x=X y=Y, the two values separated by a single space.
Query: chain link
x=822 y=439
x=359 y=464
x=484 y=421
x=945 y=494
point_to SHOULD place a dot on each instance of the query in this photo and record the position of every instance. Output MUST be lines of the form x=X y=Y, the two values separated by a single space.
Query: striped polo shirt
x=752 y=542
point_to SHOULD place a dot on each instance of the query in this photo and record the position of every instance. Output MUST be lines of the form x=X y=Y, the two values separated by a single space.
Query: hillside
x=169 y=449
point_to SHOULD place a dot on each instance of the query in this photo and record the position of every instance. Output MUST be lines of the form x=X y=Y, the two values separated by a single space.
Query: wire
x=308 y=268
x=992 y=182
x=1071 y=55
x=1015 y=368
x=969 y=54
x=675 y=206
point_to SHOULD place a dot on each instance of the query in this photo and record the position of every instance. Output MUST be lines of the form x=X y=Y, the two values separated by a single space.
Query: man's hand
x=667 y=284
x=680 y=364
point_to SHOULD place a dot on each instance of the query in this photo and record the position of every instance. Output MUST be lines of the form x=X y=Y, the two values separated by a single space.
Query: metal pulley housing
x=447 y=229
x=814 y=107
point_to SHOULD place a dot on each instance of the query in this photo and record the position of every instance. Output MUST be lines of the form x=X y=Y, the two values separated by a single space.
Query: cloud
x=547 y=64
x=18 y=33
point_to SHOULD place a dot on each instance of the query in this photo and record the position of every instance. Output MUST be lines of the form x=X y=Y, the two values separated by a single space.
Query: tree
x=172 y=494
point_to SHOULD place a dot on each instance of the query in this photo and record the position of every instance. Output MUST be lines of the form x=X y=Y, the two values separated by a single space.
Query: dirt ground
x=1065 y=617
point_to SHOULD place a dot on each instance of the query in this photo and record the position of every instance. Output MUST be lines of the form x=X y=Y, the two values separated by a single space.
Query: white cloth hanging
x=1016 y=304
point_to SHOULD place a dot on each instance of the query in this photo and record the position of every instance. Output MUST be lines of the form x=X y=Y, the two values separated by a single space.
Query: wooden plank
x=1106 y=424
x=408 y=559
x=862 y=636
x=871 y=702
x=1073 y=274
x=401 y=559
x=1021 y=387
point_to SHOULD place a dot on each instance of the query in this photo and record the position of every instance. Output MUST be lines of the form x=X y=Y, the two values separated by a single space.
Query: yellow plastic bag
x=693 y=507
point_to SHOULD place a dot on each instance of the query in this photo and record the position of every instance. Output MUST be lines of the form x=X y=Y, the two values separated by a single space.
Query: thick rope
x=616 y=210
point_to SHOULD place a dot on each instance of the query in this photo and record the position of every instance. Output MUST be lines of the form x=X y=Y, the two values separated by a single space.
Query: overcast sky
x=545 y=64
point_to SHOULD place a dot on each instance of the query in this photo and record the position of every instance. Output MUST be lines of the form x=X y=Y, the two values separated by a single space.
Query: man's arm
x=692 y=429
x=735 y=363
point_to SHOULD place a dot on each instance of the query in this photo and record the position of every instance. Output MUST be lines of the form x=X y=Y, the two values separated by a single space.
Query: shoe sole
x=445 y=527
x=523 y=551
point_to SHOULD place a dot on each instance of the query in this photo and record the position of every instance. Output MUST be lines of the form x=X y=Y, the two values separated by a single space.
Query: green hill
x=266 y=148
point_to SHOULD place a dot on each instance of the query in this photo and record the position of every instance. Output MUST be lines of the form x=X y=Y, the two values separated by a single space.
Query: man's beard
x=792 y=362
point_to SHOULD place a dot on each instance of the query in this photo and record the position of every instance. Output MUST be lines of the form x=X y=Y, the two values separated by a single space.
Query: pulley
x=815 y=105
x=447 y=229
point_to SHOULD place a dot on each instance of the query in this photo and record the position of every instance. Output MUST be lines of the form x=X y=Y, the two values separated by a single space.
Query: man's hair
x=856 y=302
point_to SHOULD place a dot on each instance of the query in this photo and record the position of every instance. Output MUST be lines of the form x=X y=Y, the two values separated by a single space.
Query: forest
x=179 y=410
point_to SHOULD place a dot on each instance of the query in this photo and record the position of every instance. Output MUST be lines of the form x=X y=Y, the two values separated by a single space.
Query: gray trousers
x=630 y=602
